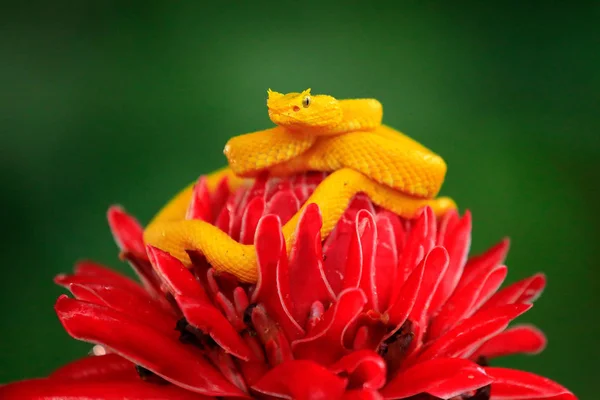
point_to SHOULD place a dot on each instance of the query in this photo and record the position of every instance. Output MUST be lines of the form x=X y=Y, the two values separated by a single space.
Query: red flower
x=383 y=308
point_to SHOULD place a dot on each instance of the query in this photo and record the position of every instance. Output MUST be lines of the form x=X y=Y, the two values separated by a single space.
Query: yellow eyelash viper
x=312 y=133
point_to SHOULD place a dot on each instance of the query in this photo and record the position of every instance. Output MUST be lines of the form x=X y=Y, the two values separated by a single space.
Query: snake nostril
x=296 y=108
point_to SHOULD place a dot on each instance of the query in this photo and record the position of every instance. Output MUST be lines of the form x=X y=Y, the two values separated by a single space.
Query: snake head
x=297 y=111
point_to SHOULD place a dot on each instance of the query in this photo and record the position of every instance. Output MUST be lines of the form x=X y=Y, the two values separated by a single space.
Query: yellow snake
x=312 y=133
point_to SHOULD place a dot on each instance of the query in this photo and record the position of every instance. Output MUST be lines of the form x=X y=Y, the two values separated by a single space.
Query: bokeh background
x=126 y=102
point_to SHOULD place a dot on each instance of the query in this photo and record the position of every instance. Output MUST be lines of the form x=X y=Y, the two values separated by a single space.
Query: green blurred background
x=126 y=102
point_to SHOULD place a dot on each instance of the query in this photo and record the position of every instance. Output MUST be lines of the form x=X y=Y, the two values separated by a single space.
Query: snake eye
x=306 y=101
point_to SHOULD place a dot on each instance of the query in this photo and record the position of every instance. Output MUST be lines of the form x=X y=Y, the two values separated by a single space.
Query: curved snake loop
x=313 y=133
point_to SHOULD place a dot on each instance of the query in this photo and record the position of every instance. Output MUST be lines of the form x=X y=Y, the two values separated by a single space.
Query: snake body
x=312 y=133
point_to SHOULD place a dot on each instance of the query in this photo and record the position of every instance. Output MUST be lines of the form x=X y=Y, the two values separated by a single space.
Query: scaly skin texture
x=313 y=133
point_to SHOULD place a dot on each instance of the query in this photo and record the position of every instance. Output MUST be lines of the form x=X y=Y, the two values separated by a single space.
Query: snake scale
x=312 y=133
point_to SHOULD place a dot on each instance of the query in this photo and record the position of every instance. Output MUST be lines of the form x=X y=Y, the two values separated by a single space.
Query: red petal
x=228 y=367
x=367 y=240
x=127 y=232
x=142 y=345
x=338 y=257
x=241 y=201
x=325 y=343
x=175 y=275
x=307 y=278
x=209 y=320
x=276 y=185
x=446 y=224
x=107 y=276
x=301 y=380
x=316 y=314
x=470 y=333
x=50 y=389
x=364 y=368
x=284 y=204
x=141 y=308
x=225 y=217
x=252 y=215
x=457 y=242
x=462 y=303
x=490 y=287
x=66 y=281
x=219 y=197
x=445 y=378
x=199 y=207
x=510 y=384
x=491 y=258
x=404 y=303
x=352 y=272
x=109 y=367
x=363 y=394
x=435 y=265
x=419 y=241
x=234 y=317
x=518 y=339
x=273 y=286
x=525 y=291
x=276 y=344
x=386 y=257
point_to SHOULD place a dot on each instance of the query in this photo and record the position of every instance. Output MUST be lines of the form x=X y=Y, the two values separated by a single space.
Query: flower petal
x=276 y=344
x=435 y=265
x=225 y=217
x=460 y=305
x=230 y=312
x=209 y=320
x=457 y=242
x=362 y=394
x=51 y=389
x=66 y=281
x=199 y=207
x=141 y=308
x=338 y=257
x=284 y=204
x=446 y=224
x=510 y=384
x=107 y=276
x=252 y=215
x=492 y=257
x=127 y=232
x=276 y=185
x=404 y=303
x=307 y=277
x=241 y=201
x=367 y=240
x=470 y=333
x=226 y=365
x=352 y=271
x=301 y=380
x=218 y=197
x=273 y=286
x=525 y=291
x=109 y=367
x=364 y=368
x=419 y=241
x=142 y=345
x=325 y=344
x=386 y=257
x=525 y=339
x=179 y=280
x=443 y=377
